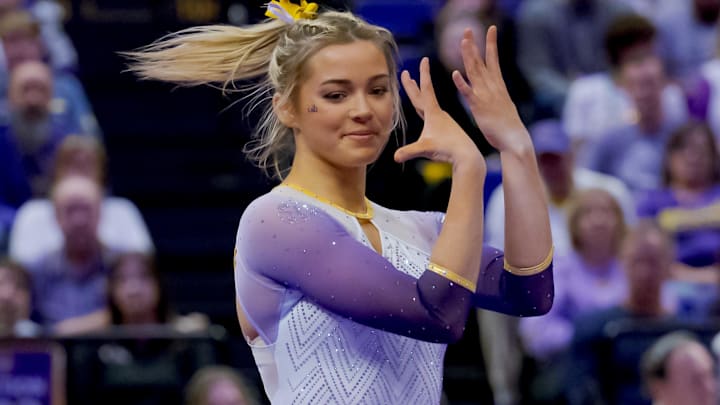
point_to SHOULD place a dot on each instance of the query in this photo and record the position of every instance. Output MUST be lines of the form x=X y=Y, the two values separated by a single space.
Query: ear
x=284 y=111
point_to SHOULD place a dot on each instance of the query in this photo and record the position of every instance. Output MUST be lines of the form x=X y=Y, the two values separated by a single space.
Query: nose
x=361 y=110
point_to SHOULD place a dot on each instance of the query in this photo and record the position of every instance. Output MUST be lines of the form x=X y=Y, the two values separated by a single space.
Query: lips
x=361 y=133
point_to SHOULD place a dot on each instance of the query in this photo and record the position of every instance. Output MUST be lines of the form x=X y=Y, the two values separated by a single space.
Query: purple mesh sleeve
x=501 y=291
x=301 y=247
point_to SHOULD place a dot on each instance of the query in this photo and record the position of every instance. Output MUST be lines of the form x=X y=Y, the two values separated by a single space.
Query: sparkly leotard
x=338 y=322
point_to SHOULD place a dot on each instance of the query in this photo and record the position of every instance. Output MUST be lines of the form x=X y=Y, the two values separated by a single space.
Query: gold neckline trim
x=367 y=215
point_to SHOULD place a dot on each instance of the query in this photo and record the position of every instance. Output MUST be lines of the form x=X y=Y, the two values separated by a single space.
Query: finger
x=426 y=86
x=474 y=66
x=464 y=89
x=413 y=92
x=492 y=60
x=412 y=151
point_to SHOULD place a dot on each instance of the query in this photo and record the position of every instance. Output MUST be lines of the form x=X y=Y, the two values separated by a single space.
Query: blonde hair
x=220 y=55
x=577 y=210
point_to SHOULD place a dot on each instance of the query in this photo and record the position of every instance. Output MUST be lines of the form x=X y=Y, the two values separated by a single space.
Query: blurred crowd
x=622 y=101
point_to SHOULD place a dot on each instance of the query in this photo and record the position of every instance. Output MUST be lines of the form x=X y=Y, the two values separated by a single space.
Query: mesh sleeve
x=298 y=246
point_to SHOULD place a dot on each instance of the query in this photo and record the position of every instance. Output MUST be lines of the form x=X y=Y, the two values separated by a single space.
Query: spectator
x=15 y=302
x=599 y=102
x=685 y=206
x=121 y=227
x=647 y=254
x=590 y=276
x=71 y=281
x=21 y=42
x=677 y=370
x=219 y=385
x=688 y=36
x=499 y=333
x=34 y=128
x=135 y=298
x=704 y=92
x=633 y=153
x=589 y=279
x=562 y=179
x=560 y=40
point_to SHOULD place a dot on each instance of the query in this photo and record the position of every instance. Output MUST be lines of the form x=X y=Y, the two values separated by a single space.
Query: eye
x=335 y=96
x=379 y=91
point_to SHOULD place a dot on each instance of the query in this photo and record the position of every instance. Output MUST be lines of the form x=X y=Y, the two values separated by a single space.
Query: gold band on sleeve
x=529 y=271
x=452 y=276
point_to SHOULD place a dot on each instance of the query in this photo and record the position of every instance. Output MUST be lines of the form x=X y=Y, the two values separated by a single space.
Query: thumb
x=412 y=151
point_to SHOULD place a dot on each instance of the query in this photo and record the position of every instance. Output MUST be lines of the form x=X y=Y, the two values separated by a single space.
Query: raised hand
x=441 y=139
x=487 y=96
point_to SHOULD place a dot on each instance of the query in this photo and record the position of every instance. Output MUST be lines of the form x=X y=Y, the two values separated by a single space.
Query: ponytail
x=211 y=54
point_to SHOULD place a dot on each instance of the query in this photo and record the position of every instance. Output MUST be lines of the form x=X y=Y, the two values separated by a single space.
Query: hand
x=487 y=96
x=441 y=139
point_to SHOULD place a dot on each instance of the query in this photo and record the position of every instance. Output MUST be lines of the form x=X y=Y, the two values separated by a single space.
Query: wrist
x=521 y=150
x=471 y=163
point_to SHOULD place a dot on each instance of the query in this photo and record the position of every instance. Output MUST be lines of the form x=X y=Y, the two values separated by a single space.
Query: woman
x=687 y=208
x=685 y=205
x=343 y=300
x=588 y=279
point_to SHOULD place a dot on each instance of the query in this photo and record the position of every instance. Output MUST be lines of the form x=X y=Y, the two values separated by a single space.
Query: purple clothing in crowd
x=695 y=225
x=579 y=288
x=632 y=156
x=61 y=290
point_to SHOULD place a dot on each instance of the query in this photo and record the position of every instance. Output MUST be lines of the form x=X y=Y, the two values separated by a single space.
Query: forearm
x=527 y=227
x=458 y=247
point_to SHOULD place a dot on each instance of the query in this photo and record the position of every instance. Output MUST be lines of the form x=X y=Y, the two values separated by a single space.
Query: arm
x=528 y=242
x=296 y=246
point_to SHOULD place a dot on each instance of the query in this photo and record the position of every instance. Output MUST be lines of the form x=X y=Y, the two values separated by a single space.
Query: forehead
x=355 y=61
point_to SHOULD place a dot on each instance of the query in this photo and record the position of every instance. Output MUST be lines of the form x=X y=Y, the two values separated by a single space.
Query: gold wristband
x=452 y=276
x=529 y=271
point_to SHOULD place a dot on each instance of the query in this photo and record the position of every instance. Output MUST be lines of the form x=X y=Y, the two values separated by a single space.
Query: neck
x=344 y=187
x=597 y=257
x=645 y=303
x=81 y=257
x=650 y=123
x=690 y=188
x=140 y=319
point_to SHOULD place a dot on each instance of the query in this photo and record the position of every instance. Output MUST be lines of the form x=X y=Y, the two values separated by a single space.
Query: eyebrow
x=346 y=81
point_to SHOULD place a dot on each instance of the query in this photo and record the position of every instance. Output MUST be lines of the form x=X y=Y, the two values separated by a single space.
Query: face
x=690 y=377
x=22 y=46
x=134 y=289
x=342 y=116
x=556 y=170
x=692 y=162
x=30 y=90
x=644 y=81
x=82 y=162
x=598 y=223
x=14 y=300
x=224 y=392
x=647 y=257
x=77 y=209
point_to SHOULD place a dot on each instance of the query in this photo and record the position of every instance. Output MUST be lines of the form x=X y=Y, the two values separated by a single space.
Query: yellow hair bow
x=289 y=12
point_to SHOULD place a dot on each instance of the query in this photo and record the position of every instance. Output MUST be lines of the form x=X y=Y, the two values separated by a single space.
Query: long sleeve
x=287 y=246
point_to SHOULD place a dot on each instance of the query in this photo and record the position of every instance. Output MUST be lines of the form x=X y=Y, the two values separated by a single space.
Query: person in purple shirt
x=341 y=299
x=687 y=207
x=587 y=279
